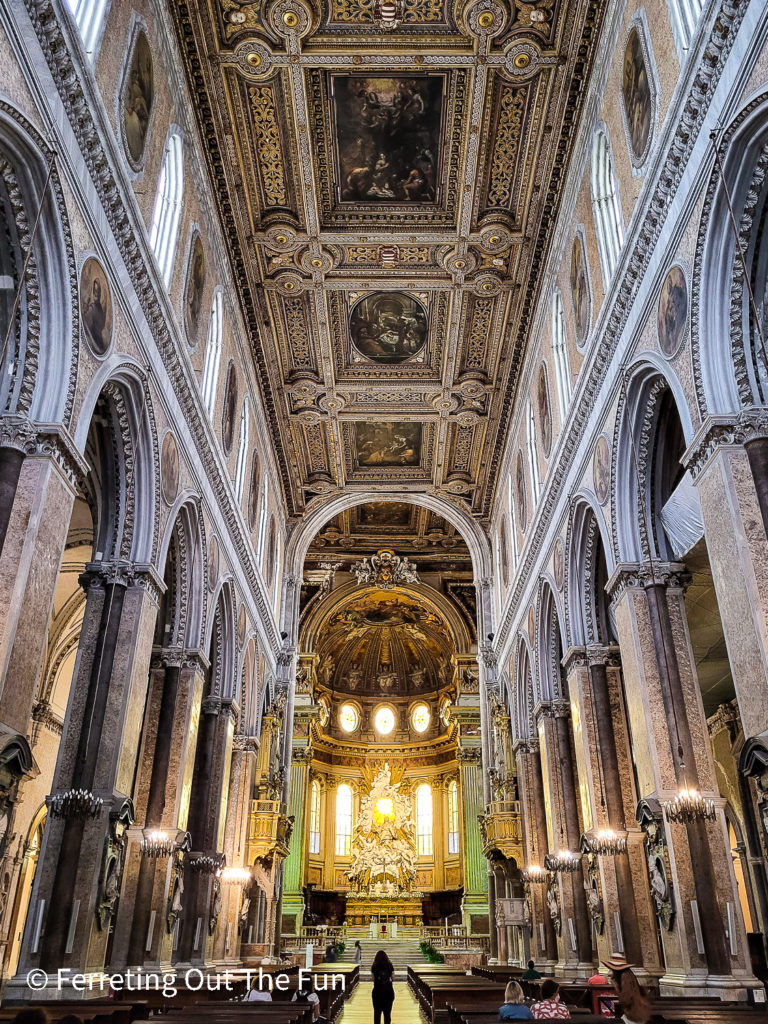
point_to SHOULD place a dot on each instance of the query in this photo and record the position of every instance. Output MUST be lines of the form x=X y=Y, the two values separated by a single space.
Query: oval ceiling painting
x=388 y=327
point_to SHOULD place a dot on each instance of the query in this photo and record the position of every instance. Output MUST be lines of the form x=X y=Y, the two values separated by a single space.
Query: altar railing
x=315 y=936
x=453 y=937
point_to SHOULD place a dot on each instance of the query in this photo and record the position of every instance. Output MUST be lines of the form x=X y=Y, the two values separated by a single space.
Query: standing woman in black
x=383 y=991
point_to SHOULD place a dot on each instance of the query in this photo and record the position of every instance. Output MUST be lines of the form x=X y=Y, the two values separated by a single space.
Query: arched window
x=609 y=224
x=533 y=458
x=684 y=16
x=314 y=817
x=424 y=820
x=213 y=353
x=260 y=545
x=343 y=821
x=278 y=555
x=512 y=522
x=560 y=352
x=453 y=817
x=166 y=217
x=242 y=453
x=89 y=17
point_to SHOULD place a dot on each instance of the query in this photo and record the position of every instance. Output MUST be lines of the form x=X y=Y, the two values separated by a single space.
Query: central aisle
x=359 y=1009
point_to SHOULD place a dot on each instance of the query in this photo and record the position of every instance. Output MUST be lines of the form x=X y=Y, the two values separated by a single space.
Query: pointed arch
x=551 y=646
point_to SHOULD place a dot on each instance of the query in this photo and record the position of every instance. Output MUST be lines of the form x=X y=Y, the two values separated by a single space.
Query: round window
x=349 y=718
x=384 y=721
x=420 y=718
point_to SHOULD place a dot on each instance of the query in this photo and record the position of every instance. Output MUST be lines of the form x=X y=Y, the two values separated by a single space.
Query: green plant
x=430 y=953
x=340 y=947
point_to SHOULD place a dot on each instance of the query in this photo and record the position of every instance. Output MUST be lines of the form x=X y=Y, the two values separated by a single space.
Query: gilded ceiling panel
x=387 y=178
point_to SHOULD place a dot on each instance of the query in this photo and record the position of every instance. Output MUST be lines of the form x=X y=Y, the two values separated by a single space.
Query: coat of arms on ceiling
x=388 y=137
x=388 y=327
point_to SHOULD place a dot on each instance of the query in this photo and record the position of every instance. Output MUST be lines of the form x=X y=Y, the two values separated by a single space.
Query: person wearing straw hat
x=633 y=1003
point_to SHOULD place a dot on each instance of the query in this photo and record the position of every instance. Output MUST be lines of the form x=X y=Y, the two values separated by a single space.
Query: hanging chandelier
x=563 y=862
x=605 y=842
x=75 y=803
x=208 y=863
x=158 y=843
x=386 y=570
x=534 y=874
x=689 y=806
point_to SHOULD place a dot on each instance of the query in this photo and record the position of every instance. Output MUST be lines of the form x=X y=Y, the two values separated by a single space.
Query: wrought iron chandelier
x=158 y=843
x=688 y=806
x=606 y=842
x=76 y=803
x=535 y=875
x=208 y=863
x=563 y=862
x=386 y=570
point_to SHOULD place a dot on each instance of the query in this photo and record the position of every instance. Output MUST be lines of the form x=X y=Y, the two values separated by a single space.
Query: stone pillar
x=617 y=893
x=35 y=514
x=475 y=865
x=78 y=881
x=298 y=801
x=232 y=922
x=671 y=749
x=728 y=461
x=564 y=831
x=210 y=782
x=529 y=775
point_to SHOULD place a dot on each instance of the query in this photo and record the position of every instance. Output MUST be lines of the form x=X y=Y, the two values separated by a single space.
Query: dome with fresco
x=385 y=645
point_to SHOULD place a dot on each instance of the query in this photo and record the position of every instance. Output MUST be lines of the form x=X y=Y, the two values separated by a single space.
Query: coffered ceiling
x=388 y=194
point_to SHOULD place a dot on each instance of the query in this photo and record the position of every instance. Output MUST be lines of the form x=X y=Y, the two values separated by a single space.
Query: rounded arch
x=221 y=644
x=182 y=553
x=588 y=565
x=652 y=419
x=727 y=374
x=43 y=352
x=550 y=643
x=249 y=696
x=314 y=520
x=523 y=691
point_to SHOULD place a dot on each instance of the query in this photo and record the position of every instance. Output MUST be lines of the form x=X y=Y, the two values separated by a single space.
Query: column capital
x=301 y=755
x=123 y=573
x=525 y=746
x=486 y=655
x=642 y=575
x=718 y=432
x=574 y=658
x=195 y=659
x=246 y=744
x=46 y=441
x=552 y=709
x=468 y=755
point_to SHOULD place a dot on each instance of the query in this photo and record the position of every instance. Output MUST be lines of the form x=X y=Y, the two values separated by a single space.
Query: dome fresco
x=385 y=645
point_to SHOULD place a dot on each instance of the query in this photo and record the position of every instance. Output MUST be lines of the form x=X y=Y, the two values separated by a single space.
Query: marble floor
x=359 y=1010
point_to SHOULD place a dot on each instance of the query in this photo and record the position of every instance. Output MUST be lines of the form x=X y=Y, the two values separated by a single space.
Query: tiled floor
x=359 y=1010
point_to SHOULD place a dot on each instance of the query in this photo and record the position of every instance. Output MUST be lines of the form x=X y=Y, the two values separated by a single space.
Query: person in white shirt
x=258 y=995
x=308 y=995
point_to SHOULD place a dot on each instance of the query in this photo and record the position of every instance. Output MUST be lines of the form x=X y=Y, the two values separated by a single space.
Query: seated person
x=257 y=994
x=307 y=994
x=513 y=1007
x=597 y=979
x=531 y=974
x=549 y=1006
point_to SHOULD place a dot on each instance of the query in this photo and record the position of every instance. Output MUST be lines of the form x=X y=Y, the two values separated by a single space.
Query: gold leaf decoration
x=507 y=147
x=268 y=145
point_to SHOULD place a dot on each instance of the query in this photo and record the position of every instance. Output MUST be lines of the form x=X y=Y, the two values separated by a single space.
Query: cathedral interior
x=384 y=497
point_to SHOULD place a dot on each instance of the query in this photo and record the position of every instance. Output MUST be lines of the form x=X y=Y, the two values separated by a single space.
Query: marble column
x=671 y=749
x=534 y=817
x=729 y=466
x=79 y=876
x=37 y=519
x=617 y=896
x=231 y=926
x=475 y=864
x=298 y=801
x=564 y=831
x=207 y=809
